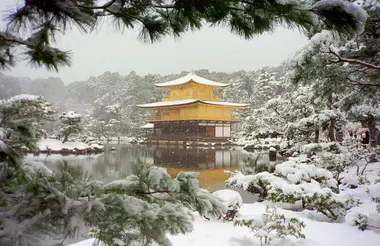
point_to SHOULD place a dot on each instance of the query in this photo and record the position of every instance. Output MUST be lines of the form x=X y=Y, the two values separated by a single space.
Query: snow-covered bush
x=148 y=204
x=271 y=226
x=232 y=200
x=330 y=204
x=332 y=147
x=336 y=163
x=291 y=182
x=357 y=219
x=374 y=193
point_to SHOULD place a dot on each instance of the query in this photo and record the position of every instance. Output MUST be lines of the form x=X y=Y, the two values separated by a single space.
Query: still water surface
x=209 y=162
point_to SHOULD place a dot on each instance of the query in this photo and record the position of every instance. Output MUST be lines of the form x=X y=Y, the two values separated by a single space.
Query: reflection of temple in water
x=209 y=162
x=195 y=158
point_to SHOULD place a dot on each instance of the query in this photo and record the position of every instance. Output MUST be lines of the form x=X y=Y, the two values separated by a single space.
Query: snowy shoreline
x=53 y=146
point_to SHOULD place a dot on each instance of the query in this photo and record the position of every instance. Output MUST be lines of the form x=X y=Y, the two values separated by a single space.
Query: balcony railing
x=159 y=118
x=153 y=118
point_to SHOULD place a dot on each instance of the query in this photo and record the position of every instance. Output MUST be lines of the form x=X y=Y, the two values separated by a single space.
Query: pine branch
x=158 y=18
x=7 y=37
x=15 y=209
x=366 y=85
x=357 y=83
x=275 y=110
x=21 y=227
x=104 y=6
x=152 y=192
x=352 y=61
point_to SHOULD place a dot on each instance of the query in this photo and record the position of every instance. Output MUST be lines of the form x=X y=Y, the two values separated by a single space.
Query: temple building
x=191 y=111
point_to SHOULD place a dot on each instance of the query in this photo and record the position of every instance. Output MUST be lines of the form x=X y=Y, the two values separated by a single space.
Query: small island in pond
x=54 y=146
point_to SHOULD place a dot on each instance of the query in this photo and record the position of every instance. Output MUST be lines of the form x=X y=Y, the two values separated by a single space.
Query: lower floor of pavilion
x=201 y=131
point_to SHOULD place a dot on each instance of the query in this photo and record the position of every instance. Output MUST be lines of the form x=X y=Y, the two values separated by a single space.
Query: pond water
x=209 y=162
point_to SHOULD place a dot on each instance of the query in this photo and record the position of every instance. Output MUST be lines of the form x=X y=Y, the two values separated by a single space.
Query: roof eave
x=220 y=85
x=162 y=106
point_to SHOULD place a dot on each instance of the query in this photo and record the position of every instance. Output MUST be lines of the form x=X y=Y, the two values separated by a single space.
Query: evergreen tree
x=38 y=205
x=344 y=72
x=33 y=26
x=30 y=106
x=70 y=124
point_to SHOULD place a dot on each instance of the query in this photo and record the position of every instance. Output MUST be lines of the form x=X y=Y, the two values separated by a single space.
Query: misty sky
x=214 y=48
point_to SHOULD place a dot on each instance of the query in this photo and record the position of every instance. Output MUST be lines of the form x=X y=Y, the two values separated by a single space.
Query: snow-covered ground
x=255 y=144
x=219 y=233
x=318 y=231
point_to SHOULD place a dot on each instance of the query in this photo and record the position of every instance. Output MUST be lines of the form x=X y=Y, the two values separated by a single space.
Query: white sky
x=214 y=48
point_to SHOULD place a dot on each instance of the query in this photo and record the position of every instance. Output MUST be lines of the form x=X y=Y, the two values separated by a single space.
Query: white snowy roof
x=191 y=77
x=188 y=101
x=167 y=103
x=226 y=103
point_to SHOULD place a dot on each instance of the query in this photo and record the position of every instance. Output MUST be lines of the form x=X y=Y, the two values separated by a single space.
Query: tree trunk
x=316 y=137
x=332 y=130
x=331 y=134
x=65 y=138
x=272 y=155
x=339 y=135
x=372 y=130
x=118 y=140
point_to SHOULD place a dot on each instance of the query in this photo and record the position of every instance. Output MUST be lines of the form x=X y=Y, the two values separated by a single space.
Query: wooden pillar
x=198 y=129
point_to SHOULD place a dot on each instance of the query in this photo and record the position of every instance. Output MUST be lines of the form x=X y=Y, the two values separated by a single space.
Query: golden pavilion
x=191 y=111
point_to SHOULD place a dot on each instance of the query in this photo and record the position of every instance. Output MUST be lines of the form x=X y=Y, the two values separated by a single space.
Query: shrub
x=272 y=225
x=292 y=182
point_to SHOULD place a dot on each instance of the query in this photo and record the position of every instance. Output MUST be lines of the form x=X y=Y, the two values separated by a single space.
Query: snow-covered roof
x=189 y=101
x=225 y=103
x=191 y=77
x=167 y=103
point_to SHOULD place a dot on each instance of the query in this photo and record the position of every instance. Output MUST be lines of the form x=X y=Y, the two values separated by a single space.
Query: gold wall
x=191 y=91
x=196 y=111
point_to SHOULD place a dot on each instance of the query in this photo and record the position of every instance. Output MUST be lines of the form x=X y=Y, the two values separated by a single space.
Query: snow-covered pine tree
x=264 y=122
x=38 y=205
x=293 y=112
x=344 y=71
x=70 y=124
x=30 y=106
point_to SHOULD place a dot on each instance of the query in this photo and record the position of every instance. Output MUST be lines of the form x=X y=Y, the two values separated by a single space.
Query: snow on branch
x=353 y=61
x=353 y=82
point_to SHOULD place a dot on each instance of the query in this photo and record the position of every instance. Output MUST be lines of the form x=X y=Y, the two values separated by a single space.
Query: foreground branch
x=153 y=192
x=6 y=37
x=353 y=61
x=357 y=83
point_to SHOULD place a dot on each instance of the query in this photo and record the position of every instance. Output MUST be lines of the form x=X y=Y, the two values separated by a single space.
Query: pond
x=209 y=162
